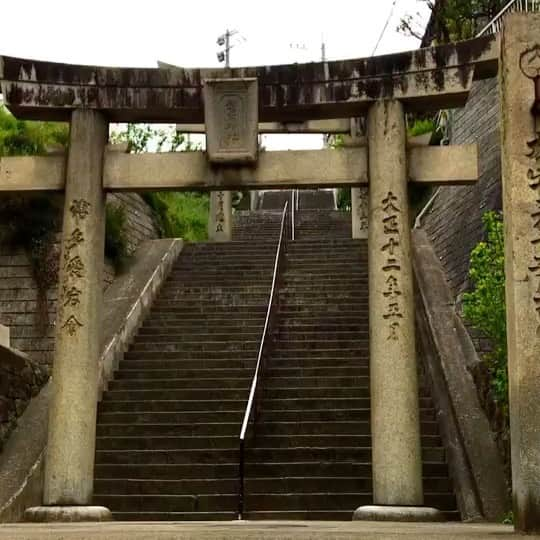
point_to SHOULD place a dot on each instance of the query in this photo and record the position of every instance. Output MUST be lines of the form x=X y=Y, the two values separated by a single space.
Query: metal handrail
x=260 y=358
x=514 y=5
x=293 y=210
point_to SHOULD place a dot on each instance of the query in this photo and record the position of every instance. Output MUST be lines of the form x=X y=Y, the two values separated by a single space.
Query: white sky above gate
x=139 y=32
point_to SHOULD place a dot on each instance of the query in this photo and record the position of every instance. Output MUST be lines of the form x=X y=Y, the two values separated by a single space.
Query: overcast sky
x=138 y=33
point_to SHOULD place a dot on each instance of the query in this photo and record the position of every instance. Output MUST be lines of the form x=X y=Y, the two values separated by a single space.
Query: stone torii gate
x=384 y=88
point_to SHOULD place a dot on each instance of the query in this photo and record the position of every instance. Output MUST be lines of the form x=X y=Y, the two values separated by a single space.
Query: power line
x=385 y=27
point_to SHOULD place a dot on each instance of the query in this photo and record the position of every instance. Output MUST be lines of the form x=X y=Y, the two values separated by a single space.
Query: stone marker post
x=69 y=467
x=359 y=211
x=220 y=219
x=395 y=424
x=519 y=71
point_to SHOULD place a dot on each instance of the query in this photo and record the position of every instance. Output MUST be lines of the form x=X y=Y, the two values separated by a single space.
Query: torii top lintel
x=426 y=79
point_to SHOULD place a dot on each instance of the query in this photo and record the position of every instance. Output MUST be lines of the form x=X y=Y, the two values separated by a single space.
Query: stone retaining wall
x=454 y=223
x=31 y=332
x=20 y=380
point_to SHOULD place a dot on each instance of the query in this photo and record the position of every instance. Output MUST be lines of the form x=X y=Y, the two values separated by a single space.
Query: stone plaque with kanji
x=231 y=118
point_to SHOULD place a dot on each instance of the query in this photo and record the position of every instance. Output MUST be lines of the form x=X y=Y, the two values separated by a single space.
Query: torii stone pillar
x=395 y=418
x=220 y=218
x=69 y=466
x=519 y=71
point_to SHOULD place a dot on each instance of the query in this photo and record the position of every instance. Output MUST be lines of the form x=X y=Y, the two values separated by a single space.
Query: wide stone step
x=313 y=360
x=336 y=403
x=171 y=384
x=174 y=516
x=178 y=309
x=341 y=427
x=172 y=429
x=170 y=442
x=168 y=503
x=350 y=340
x=326 y=415
x=172 y=405
x=291 y=336
x=218 y=288
x=315 y=392
x=320 y=440
x=181 y=394
x=220 y=298
x=299 y=352
x=158 y=372
x=329 y=484
x=207 y=456
x=204 y=321
x=186 y=346
x=320 y=381
x=193 y=487
x=189 y=355
x=167 y=336
x=195 y=364
x=326 y=371
x=167 y=471
x=323 y=311
x=184 y=305
x=171 y=417
x=203 y=330
x=331 y=501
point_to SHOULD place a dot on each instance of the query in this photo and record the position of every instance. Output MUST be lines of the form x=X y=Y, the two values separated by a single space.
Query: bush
x=484 y=307
x=180 y=215
x=116 y=240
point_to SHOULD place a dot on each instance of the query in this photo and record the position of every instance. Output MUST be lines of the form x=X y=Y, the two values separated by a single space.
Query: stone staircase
x=311 y=455
x=167 y=435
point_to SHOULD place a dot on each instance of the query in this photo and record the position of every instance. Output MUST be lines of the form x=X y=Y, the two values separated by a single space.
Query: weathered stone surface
x=4 y=335
x=220 y=218
x=72 y=414
x=397 y=513
x=434 y=78
x=70 y=514
x=191 y=170
x=231 y=119
x=359 y=212
x=397 y=466
x=449 y=354
x=520 y=57
x=20 y=380
x=259 y=530
x=323 y=127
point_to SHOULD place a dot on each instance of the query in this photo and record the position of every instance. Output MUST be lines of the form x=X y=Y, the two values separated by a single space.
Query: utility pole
x=225 y=40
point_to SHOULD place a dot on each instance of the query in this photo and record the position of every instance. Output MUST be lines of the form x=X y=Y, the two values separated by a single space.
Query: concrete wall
x=19 y=294
x=454 y=224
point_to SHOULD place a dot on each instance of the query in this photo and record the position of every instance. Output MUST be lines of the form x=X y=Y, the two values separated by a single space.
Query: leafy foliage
x=31 y=223
x=143 y=137
x=116 y=239
x=451 y=20
x=20 y=137
x=484 y=307
x=421 y=127
x=178 y=214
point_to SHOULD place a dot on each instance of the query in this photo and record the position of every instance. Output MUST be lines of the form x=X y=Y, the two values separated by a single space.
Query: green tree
x=20 y=137
x=451 y=20
x=178 y=214
x=484 y=307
